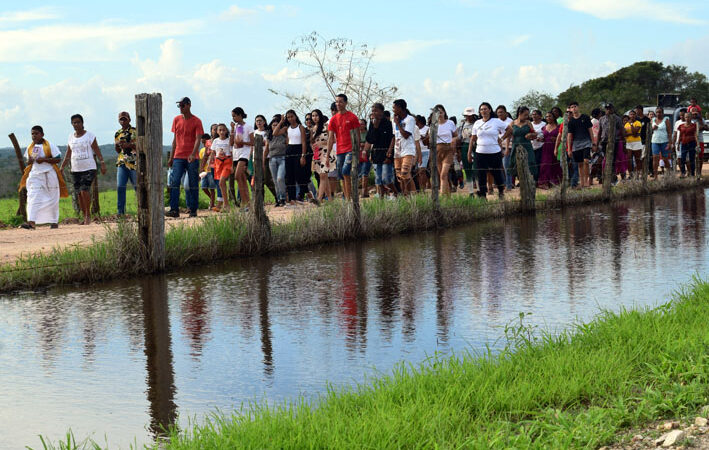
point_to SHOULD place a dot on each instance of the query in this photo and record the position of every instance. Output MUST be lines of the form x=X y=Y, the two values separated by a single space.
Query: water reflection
x=158 y=352
x=279 y=327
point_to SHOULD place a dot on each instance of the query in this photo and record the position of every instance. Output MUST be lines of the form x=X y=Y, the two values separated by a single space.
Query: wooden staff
x=22 y=194
x=354 y=136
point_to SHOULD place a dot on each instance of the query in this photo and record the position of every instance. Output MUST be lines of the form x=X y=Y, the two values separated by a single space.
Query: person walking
x=241 y=138
x=43 y=180
x=634 y=144
x=187 y=132
x=660 y=141
x=380 y=141
x=124 y=139
x=688 y=145
x=538 y=124
x=486 y=138
x=222 y=147
x=550 y=172
x=522 y=133
x=82 y=151
x=465 y=131
x=318 y=142
x=340 y=126
x=445 y=147
x=405 y=143
x=275 y=153
x=580 y=142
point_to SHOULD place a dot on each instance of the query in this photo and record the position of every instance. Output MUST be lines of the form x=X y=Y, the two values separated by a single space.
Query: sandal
x=27 y=226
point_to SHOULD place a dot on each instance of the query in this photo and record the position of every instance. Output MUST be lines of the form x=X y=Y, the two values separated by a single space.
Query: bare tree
x=342 y=66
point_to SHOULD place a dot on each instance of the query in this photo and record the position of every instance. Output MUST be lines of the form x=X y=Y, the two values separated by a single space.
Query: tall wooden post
x=264 y=226
x=151 y=215
x=563 y=160
x=22 y=194
x=354 y=136
x=433 y=159
x=609 y=170
x=527 y=186
x=647 y=153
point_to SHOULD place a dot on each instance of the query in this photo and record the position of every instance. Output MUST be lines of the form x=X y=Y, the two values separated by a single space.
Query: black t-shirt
x=380 y=137
x=643 y=131
x=579 y=127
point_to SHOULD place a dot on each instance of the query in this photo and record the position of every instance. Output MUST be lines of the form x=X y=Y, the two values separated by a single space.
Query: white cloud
x=626 y=9
x=282 y=75
x=519 y=40
x=28 y=15
x=403 y=50
x=99 y=42
x=237 y=12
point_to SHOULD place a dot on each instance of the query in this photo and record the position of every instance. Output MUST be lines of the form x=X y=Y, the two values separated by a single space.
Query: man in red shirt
x=187 y=129
x=340 y=126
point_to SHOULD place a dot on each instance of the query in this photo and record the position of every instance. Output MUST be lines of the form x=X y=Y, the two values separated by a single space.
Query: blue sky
x=92 y=57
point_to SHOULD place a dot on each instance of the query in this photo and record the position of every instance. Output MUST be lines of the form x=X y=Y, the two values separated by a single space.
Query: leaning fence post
x=151 y=215
x=95 y=205
x=433 y=159
x=564 y=162
x=354 y=134
x=526 y=180
x=22 y=208
x=647 y=153
x=264 y=226
x=609 y=170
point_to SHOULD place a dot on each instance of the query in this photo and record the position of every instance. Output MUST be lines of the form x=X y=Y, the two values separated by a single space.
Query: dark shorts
x=580 y=155
x=242 y=159
x=83 y=180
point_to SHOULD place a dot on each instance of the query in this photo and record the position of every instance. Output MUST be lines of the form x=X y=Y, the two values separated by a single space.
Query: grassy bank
x=236 y=234
x=576 y=389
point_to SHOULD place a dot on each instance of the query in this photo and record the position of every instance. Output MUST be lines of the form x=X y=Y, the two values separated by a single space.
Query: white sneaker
x=391 y=197
x=377 y=195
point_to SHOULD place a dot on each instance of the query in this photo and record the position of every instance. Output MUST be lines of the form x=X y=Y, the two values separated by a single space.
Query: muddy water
x=115 y=361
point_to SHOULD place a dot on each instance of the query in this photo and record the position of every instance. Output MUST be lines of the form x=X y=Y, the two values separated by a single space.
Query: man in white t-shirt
x=407 y=153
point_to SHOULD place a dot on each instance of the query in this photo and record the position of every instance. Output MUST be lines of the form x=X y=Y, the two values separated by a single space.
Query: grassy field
x=576 y=389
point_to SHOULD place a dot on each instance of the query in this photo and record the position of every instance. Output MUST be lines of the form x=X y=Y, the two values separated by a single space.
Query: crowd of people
x=312 y=160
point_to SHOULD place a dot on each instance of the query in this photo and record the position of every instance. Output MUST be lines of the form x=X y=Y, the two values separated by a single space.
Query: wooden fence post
x=647 y=153
x=151 y=200
x=563 y=160
x=433 y=159
x=22 y=194
x=609 y=170
x=354 y=136
x=527 y=186
x=264 y=226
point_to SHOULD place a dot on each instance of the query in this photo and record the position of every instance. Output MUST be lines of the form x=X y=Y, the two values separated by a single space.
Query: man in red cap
x=124 y=139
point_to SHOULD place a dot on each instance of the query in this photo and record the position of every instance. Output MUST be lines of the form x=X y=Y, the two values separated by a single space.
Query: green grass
x=582 y=388
x=107 y=201
x=576 y=389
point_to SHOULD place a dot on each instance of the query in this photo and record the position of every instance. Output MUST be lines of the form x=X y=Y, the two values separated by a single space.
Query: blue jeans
x=687 y=150
x=383 y=174
x=574 y=175
x=277 y=164
x=344 y=165
x=506 y=161
x=123 y=174
x=179 y=167
x=364 y=168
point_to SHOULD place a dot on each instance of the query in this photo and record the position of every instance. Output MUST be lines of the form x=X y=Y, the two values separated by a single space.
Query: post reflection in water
x=264 y=267
x=158 y=352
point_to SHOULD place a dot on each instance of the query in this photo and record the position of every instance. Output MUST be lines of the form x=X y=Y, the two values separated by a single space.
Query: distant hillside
x=638 y=84
x=10 y=171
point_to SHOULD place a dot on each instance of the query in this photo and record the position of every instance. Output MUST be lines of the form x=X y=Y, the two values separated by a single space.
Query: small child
x=206 y=168
x=222 y=161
